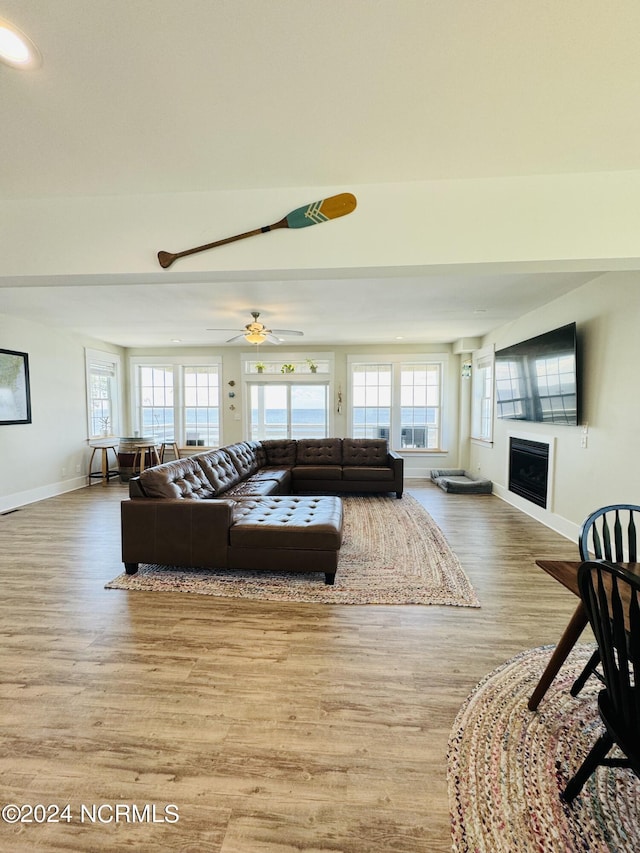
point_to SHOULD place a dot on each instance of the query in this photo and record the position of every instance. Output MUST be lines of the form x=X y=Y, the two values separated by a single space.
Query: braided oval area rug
x=393 y=552
x=507 y=766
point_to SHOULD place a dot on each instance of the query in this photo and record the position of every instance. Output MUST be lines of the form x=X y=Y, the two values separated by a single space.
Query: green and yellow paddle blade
x=312 y=214
x=321 y=211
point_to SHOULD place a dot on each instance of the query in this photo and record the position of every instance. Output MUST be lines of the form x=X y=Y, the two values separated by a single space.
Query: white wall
x=607 y=312
x=33 y=456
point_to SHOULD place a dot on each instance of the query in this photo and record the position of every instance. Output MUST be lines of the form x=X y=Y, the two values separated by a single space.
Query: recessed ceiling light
x=399 y=338
x=176 y=340
x=17 y=49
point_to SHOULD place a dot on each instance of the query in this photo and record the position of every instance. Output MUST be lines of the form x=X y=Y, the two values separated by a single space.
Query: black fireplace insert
x=529 y=469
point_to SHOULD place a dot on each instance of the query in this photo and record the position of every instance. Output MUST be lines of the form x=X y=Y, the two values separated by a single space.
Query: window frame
x=177 y=365
x=289 y=425
x=184 y=390
x=94 y=356
x=273 y=376
x=482 y=360
x=396 y=361
x=387 y=371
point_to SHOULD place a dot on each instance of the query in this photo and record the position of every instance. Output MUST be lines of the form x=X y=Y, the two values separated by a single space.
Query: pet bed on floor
x=461 y=482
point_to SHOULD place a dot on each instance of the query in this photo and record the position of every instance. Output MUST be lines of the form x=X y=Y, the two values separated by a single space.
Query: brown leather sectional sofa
x=247 y=506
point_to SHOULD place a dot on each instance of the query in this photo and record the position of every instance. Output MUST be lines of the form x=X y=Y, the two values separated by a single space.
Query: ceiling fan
x=256 y=332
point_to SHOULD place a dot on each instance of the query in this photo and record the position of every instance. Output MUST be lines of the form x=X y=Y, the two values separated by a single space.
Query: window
x=103 y=382
x=371 y=408
x=279 y=366
x=399 y=400
x=201 y=405
x=420 y=406
x=289 y=410
x=482 y=391
x=177 y=401
x=287 y=395
x=155 y=405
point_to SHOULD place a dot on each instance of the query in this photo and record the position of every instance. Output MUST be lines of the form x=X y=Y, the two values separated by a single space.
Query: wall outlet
x=584 y=442
x=78 y=468
x=64 y=472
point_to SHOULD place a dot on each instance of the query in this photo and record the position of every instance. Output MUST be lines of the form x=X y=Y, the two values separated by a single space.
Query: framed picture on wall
x=15 y=395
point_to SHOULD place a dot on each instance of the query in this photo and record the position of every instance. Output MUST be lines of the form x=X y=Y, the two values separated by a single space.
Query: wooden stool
x=174 y=449
x=142 y=449
x=105 y=473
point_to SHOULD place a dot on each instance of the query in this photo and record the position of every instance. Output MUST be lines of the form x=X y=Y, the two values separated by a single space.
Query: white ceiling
x=148 y=96
x=351 y=311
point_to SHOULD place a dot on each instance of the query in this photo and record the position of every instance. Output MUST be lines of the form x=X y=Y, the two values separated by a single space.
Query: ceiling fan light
x=255 y=338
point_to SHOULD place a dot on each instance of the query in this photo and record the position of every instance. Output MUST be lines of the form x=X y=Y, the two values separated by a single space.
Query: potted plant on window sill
x=260 y=366
x=313 y=365
x=288 y=368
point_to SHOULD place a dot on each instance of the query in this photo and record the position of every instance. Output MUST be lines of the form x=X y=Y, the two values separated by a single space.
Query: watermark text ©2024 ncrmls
x=90 y=813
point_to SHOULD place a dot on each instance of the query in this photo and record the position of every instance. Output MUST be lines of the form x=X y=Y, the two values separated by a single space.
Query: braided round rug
x=507 y=766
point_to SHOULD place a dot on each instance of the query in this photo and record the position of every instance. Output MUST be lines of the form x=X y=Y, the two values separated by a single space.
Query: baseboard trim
x=561 y=525
x=30 y=496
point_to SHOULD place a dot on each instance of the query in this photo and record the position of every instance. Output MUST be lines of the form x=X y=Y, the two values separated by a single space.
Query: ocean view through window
x=399 y=400
x=289 y=410
x=177 y=401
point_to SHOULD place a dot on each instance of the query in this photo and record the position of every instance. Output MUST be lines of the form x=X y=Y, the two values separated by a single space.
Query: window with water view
x=399 y=401
x=177 y=402
x=289 y=410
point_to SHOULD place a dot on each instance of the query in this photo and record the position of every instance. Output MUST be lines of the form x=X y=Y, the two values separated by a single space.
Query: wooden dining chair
x=611 y=596
x=609 y=533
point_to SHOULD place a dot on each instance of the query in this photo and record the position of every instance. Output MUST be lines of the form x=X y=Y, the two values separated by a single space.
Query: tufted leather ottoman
x=292 y=533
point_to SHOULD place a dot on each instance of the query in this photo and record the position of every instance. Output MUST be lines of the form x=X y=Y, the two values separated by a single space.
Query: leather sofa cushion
x=317 y=472
x=280 y=451
x=183 y=478
x=319 y=451
x=219 y=469
x=307 y=523
x=244 y=457
x=282 y=476
x=364 y=451
x=259 y=452
x=366 y=473
x=253 y=486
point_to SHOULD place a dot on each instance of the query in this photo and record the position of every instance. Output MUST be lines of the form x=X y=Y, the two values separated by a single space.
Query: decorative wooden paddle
x=319 y=211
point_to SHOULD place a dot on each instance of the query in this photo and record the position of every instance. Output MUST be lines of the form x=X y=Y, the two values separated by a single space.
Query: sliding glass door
x=289 y=410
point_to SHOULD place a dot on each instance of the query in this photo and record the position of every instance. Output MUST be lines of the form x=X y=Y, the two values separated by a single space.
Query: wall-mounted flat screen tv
x=537 y=380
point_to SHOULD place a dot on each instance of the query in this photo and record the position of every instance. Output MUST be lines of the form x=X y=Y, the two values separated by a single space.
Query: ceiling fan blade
x=270 y=335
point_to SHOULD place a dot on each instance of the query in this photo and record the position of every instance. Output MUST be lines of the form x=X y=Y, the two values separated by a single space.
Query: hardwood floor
x=271 y=727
